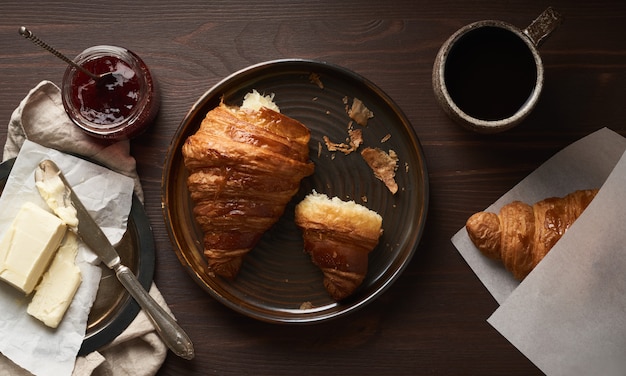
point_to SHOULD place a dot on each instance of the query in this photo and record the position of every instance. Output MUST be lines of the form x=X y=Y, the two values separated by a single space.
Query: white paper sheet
x=108 y=197
x=568 y=316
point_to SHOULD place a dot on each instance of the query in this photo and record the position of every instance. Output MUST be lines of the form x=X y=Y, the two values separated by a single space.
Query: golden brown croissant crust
x=338 y=236
x=521 y=234
x=244 y=167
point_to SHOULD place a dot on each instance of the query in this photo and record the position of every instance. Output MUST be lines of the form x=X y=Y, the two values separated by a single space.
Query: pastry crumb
x=306 y=305
x=356 y=138
x=334 y=146
x=359 y=112
x=383 y=165
x=315 y=79
x=352 y=143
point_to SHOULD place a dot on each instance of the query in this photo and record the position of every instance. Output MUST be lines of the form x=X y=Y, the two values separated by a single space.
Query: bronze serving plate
x=114 y=309
x=277 y=282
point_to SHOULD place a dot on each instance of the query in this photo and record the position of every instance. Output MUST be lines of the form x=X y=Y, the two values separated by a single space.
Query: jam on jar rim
x=117 y=107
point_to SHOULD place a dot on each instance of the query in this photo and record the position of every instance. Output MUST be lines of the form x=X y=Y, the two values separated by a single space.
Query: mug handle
x=543 y=25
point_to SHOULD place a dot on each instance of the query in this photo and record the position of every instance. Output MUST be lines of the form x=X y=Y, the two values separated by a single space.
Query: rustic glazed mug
x=488 y=75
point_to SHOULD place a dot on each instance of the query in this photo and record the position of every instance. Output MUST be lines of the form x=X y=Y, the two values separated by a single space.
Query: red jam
x=107 y=102
x=117 y=106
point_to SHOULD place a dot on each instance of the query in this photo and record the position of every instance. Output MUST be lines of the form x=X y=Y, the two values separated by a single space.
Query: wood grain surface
x=432 y=321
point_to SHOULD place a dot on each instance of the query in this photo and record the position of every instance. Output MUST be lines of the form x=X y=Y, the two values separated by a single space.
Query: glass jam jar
x=117 y=107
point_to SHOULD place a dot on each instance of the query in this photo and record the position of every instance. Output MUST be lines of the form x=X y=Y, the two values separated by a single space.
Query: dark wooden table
x=432 y=321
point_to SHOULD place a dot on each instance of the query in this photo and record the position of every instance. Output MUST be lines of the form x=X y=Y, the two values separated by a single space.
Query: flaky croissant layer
x=244 y=167
x=521 y=234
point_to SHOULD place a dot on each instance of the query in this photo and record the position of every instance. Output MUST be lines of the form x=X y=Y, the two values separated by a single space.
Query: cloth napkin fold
x=41 y=118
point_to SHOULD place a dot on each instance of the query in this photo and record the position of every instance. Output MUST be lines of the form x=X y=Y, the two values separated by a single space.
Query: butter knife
x=88 y=230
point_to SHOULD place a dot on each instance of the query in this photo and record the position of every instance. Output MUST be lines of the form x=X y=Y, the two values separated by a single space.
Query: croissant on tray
x=521 y=234
x=338 y=235
x=245 y=164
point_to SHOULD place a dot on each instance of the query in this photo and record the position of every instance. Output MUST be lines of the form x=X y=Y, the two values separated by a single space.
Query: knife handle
x=172 y=334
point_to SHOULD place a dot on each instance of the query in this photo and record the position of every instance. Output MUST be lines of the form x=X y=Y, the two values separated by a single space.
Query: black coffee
x=490 y=73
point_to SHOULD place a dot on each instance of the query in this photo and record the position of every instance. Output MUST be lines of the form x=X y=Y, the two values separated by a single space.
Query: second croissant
x=521 y=234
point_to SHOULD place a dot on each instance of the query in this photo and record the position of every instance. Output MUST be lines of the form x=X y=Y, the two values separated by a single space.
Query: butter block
x=54 y=192
x=28 y=245
x=58 y=286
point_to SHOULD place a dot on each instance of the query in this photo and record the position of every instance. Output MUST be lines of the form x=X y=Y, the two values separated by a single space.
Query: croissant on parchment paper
x=338 y=235
x=245 y=164
x=521 y=234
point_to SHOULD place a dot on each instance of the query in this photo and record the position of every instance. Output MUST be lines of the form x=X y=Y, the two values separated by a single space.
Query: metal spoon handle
x=29 y=35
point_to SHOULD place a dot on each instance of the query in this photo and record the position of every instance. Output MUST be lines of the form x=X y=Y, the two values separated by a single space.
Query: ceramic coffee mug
x=488 y=75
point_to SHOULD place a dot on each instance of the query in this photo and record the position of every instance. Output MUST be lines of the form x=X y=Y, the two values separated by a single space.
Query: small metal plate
x=114 y=309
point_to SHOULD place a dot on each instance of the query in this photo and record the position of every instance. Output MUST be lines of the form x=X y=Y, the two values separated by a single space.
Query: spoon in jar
x=99 y=78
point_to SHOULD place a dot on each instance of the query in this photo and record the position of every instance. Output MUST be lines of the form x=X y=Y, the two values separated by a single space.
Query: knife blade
x=91 y=234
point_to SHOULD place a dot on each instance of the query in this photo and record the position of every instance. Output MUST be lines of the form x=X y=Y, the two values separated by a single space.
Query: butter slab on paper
x=28 y=246
x=59 y=284
x=569 y=315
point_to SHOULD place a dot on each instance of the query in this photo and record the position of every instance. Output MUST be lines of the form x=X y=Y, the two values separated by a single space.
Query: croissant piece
x=244 y=166
x=338 y=235
x=521 y=234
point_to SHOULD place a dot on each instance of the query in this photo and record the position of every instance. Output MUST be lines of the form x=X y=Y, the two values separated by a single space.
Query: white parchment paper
x=108 y=197
x=568 y=316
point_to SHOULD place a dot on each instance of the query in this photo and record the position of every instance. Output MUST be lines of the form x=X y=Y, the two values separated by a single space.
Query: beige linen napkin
x=40 y=118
